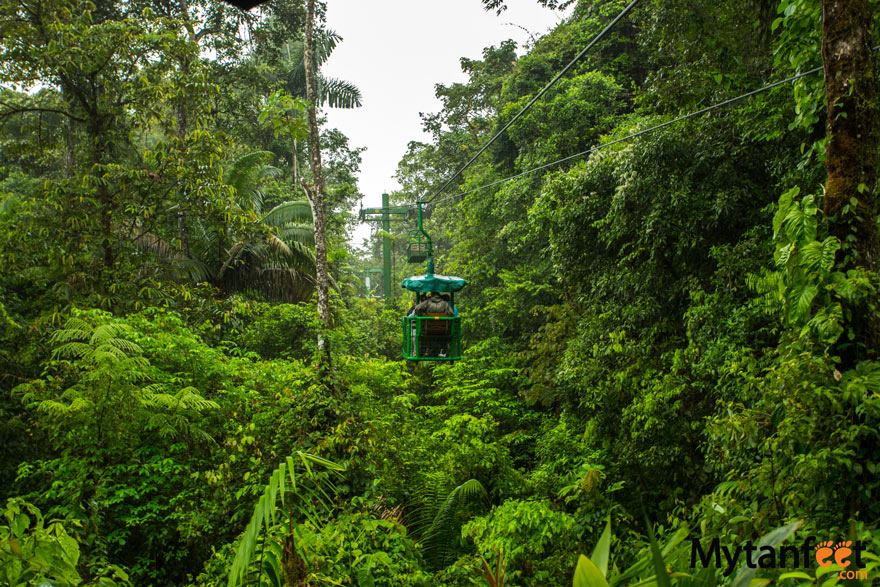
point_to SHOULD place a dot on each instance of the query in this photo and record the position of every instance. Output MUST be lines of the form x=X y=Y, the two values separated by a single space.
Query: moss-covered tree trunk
x=851 y=93
x=315 y=192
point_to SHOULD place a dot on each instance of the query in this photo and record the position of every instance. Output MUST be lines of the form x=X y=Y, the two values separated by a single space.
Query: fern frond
x=104 y=333
x=72 y=350
x=71 y=335
x=135 y=368
x=106 y=354
x=56 y=408
x=53 y=407
x=123 y=345
x=190 y=398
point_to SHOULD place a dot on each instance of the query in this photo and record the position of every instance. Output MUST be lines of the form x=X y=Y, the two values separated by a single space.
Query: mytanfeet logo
x=829 y=552
x=845 y=554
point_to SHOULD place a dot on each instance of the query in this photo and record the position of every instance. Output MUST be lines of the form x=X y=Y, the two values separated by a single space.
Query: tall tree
x=851 y=163
x=104 y=67
x=315 y=193
x=206 y=25
x=851 y=93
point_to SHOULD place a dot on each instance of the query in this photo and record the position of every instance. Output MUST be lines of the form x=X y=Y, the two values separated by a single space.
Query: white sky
x=395 y=51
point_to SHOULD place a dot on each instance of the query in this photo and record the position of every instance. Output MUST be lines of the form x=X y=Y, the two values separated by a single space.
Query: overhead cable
x=639 y=133
x=537 y=96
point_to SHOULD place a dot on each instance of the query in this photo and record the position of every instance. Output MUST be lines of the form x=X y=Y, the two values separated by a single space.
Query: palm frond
x=245 y=176
x=196 y=270
x=286 y=284
x=149 y=242
x=278 y=245
x=430 y=495
x=231 y=257
x=338 y=93
x=326 y=41
x=446 y=528
x=439 y=516
x=301 y=238
x=292 y=211
x=296 y=80
x=266 y=511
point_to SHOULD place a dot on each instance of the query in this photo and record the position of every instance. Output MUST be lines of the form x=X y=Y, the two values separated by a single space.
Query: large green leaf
x=291 y=212
x=657 y=557
x=587 y=574
x=602 y=549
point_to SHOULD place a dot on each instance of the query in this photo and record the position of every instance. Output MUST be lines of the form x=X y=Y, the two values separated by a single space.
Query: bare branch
x=10 y=110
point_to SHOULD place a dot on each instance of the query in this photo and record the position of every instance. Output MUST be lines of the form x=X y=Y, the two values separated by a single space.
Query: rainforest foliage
x=667 y=340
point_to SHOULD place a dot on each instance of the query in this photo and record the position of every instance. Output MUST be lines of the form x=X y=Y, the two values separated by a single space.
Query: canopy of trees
x=669 y=340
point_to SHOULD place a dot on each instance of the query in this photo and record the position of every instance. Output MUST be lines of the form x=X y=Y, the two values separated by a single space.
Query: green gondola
x=427 y=335
x=418 y=246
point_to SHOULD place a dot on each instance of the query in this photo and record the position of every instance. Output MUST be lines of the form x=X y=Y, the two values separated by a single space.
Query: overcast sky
x=395 y=51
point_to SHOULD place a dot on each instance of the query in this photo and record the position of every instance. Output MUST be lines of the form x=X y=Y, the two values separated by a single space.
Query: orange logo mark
x=841 y=551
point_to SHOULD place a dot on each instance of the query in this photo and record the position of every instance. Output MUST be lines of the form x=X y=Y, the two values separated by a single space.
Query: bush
x=539 y=544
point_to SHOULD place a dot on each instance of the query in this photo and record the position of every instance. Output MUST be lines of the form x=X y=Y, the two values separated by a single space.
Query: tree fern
x=172 y=414
x=112 y=388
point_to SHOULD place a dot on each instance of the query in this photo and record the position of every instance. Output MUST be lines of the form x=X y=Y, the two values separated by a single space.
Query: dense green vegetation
x=667 y=340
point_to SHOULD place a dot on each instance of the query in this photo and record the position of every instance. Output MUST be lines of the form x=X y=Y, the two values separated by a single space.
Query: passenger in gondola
x=412 y=309
x=435 y=304
x=448 y=299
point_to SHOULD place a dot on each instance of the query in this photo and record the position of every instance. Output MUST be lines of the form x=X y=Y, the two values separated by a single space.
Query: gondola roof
x=430 y=282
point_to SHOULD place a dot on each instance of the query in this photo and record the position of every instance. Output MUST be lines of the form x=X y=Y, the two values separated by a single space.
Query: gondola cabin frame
x=429 y=336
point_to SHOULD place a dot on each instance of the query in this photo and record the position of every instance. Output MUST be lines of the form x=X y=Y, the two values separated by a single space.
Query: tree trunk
x=182 y=129
x=315 y=193
x=851 y=96
x=100 y=130
x=295 y=161
x=850 y=204
x=69 y=147
x=181 y=109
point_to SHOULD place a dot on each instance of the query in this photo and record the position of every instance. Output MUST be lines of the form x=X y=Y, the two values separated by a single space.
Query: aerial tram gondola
x=430 y=335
